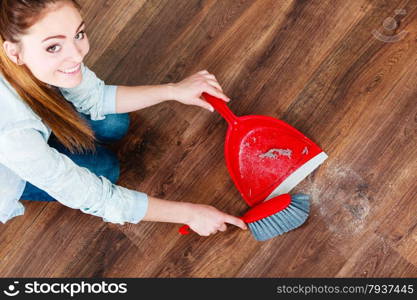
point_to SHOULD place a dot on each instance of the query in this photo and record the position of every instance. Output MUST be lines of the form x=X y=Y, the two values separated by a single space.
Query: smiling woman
x=34 y=63
x=48 y=148
x=46 y=89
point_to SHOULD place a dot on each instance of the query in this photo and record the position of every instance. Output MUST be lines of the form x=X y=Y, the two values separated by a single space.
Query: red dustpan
x=265 y=156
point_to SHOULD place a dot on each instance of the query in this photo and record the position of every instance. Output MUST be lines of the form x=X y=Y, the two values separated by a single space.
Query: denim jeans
x=104 y=162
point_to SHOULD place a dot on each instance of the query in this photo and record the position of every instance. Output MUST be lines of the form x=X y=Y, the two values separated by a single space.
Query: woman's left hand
x=189 y=90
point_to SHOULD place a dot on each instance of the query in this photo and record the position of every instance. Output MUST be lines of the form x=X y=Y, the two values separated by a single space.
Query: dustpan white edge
x=298 y=175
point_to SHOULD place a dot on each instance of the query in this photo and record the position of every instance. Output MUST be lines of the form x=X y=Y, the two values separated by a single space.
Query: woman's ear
x=12 y=51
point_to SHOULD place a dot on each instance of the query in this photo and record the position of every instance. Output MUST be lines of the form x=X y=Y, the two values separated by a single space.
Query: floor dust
x=340 y=197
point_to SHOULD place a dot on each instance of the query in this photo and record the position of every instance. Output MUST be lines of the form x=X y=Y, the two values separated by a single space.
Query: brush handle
x=222 y=108
x=185 y=229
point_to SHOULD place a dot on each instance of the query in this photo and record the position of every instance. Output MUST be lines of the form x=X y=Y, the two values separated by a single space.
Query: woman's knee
x=109 y=165
x=112 y=128
x=102 y=163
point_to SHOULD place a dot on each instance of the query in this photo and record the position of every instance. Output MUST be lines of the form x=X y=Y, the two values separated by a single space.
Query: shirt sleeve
x=92 y=96
x=26 y=153
x=10 y=206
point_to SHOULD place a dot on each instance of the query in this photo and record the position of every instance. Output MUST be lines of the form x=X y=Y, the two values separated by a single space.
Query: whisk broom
x=275 y=216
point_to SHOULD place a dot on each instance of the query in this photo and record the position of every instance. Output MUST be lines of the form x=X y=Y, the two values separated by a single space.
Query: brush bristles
x=283 y=221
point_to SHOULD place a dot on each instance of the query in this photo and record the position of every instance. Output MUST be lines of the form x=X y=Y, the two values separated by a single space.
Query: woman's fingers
x=211 y=79
x=223 y=227
x=231 y=220
x=215 y=84
x=206 y=105
x=216 y=93
x=235 y=221
x=212 y=86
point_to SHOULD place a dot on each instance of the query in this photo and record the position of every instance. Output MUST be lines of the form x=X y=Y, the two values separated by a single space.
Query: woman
x=46 y=90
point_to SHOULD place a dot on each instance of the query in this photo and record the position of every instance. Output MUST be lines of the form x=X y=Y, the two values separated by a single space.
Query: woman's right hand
x=203 y=219
x=206 y=220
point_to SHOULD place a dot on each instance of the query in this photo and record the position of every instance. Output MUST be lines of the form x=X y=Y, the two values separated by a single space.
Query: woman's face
x=55 y=46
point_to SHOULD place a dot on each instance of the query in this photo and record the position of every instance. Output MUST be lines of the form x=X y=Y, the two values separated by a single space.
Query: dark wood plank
x=377 y=259
x=51 y=243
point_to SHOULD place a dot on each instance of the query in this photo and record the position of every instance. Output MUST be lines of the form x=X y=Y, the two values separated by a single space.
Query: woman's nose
x=75 y=53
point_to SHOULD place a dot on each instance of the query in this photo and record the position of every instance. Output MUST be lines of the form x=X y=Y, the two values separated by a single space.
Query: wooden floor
x=327 y=67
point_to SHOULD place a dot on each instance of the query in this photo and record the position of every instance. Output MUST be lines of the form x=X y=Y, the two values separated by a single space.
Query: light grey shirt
x=26 y=156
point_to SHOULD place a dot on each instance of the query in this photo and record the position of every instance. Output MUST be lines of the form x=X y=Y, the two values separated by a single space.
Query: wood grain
x=314 y=64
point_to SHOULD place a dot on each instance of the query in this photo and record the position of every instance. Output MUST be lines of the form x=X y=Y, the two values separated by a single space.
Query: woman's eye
x=53 y=49
x=83 y=34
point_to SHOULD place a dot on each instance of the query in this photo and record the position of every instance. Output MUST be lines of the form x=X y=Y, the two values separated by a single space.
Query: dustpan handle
x=222 y=108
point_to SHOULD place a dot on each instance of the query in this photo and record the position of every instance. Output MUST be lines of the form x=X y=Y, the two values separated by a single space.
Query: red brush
x=274 y=217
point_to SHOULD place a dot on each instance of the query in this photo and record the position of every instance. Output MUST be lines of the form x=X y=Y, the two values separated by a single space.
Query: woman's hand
x=189 y=90
x=203 y=219
x=206 y=220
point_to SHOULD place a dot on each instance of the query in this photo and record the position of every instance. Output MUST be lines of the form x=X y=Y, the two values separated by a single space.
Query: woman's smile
x=72 y=71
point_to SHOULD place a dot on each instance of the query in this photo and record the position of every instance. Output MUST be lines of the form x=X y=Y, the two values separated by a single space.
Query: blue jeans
x=104 y=162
